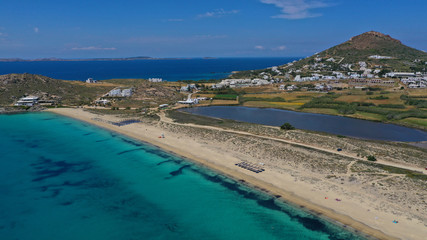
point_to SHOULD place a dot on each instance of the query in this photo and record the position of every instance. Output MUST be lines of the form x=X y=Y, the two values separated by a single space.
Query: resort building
x=188 y=88
x=155 y=80
x=27 y=101
x=91 y=80
x=371 y=82
x=102 y=102
x=117 y=92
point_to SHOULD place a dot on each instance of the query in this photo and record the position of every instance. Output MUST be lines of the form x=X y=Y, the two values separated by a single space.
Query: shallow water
x=312 y=121
x=64 y=179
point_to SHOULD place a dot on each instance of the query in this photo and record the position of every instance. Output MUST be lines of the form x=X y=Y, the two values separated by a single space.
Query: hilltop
x=74 y=93
x=370 y=52
x=375 y=49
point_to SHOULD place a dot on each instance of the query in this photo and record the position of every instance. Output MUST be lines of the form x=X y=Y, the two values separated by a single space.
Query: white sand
x=354 y=210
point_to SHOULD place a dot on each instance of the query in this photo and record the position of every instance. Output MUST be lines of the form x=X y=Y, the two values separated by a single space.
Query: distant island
x=83 y=59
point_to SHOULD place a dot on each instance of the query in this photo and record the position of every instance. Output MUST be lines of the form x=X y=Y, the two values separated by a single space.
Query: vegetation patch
x=419 y=103
x=396 y=170
x=225 y=96
x=381 y=97
x=275 y=99
x=287 y=126
x=399 y=106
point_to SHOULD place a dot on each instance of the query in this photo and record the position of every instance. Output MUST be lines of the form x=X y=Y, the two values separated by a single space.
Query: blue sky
x=190 y=28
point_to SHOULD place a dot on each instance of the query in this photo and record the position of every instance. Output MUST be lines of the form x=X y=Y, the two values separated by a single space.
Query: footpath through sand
x=164 y=118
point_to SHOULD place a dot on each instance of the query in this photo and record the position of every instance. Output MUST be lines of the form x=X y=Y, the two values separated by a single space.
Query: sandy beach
x=348 y=194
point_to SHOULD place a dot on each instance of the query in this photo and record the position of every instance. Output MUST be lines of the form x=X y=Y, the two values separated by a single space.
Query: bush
x=399 y=106
x=225 y=96
x=371 y=158
x=381 y=97
x=287 y=126
x=369 y=93
x=346 y=109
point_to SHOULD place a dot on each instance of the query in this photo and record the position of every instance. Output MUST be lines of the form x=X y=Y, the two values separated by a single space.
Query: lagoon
x=316 y=122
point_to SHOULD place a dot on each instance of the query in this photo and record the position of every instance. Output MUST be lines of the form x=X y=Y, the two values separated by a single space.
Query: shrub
x=225 y=96
x=400 y=106
x=287 y=126
x=371 y=158
x=381 y=97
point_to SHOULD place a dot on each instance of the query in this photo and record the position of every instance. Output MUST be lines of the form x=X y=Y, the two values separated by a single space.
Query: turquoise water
x=64 y=179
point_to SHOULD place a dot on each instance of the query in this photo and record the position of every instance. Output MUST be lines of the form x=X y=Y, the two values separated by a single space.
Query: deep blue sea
x=168 y=69
x=65 y=179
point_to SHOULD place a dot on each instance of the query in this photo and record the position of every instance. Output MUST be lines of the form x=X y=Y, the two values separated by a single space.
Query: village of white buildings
x=357 y=76
x=325 y=73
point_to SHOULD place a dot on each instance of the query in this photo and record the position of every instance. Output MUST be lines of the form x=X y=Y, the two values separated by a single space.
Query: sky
x=200 y=28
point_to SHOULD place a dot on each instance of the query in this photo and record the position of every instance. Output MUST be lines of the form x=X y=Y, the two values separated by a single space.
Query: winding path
x=164 y=118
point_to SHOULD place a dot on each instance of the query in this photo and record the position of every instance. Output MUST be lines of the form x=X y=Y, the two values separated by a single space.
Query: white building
x=102 y=102
x=379 y=57
x=155 y=80
x=400 y=74
x=91 y=80
x=117 y=92
x=127 y=92
x=27 y=101
x=292 y=88
x=190 y=101
x=188 y=88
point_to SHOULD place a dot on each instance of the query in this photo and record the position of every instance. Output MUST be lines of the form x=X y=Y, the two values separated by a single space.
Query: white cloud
x=297 y=9
x=210 y=36
x=217 y=13
x=91 y=48
x=36 y=30
x=280 y=48
x=259 y=47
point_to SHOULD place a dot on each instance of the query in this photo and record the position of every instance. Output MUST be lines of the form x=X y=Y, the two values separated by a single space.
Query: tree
x=287 y=126
x=372 y=158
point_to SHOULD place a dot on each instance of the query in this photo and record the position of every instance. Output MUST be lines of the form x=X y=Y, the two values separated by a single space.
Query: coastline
x=209 y=160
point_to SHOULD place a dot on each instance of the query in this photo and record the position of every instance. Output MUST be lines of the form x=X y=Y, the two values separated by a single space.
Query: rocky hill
x=15 y=86
x=376 y=49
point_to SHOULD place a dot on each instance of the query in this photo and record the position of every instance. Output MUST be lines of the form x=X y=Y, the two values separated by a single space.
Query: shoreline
x=329 y=214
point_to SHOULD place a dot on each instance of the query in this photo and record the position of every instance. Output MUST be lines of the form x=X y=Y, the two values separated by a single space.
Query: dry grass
x=417 y=92
x=280 y=105
x=223 y=102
